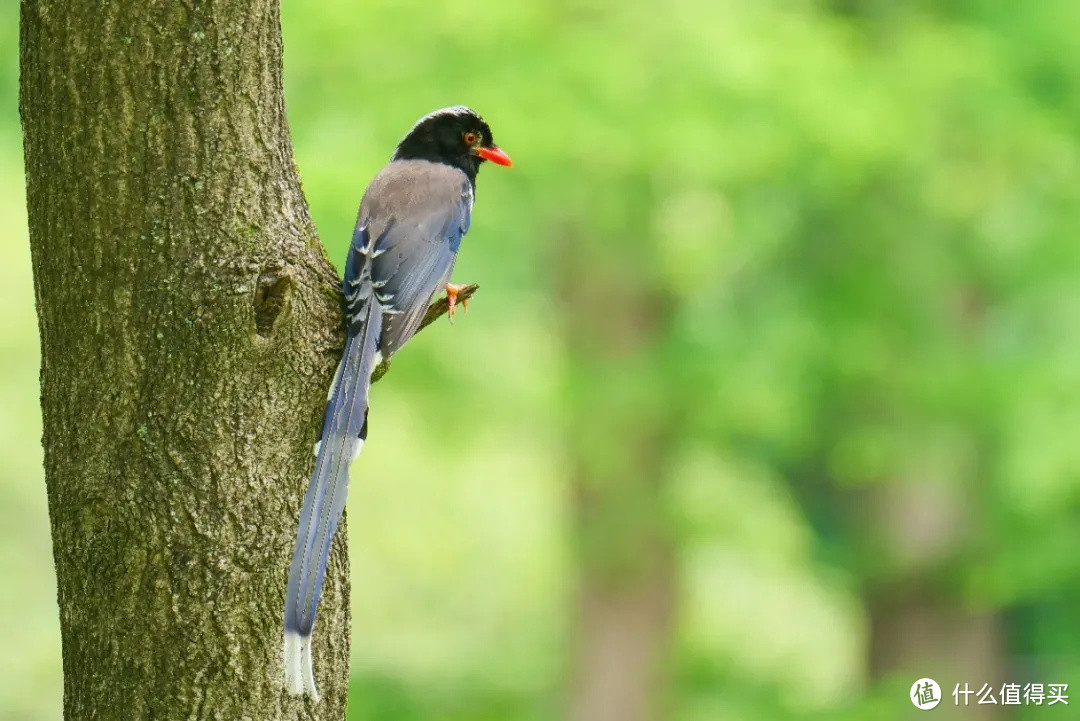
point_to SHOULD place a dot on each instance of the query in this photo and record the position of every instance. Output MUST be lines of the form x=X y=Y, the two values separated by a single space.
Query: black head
x=456 y=136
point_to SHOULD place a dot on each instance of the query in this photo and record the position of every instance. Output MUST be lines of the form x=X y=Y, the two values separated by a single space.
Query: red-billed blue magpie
x=411 y=221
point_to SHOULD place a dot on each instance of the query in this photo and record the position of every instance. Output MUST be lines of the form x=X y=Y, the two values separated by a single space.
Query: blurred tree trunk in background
x=918 y=626
x=189 y=327
x=919 y=525
x=619 y=438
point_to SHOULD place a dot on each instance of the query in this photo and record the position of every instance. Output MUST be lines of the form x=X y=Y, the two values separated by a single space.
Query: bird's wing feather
x=415 y=251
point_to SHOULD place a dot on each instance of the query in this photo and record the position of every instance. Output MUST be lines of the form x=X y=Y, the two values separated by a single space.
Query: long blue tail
x=343 y=434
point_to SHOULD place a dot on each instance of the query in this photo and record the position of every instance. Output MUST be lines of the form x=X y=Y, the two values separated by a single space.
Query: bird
x=408 y=230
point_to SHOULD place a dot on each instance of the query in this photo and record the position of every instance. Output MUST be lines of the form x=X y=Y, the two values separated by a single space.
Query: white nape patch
x=308 y=668
x=318 y=447
x=294 y=682
x=359 y=447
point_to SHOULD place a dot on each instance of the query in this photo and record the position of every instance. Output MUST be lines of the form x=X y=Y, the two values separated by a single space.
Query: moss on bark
x=190 y=323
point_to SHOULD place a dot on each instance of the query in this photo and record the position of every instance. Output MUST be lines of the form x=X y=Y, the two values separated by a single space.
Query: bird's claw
x=452 y=291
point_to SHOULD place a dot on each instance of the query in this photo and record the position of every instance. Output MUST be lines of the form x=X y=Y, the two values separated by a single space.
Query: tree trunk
x=190 y=324
x=623 y=641
x=919 y=628
x=917 y=633
x=619 y=444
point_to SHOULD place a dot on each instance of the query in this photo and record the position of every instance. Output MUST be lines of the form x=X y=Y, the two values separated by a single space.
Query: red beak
x=495 y=155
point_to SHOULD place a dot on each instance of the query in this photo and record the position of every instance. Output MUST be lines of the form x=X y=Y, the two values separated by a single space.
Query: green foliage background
x=863 y=216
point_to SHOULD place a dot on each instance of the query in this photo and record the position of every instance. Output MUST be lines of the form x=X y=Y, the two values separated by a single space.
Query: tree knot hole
x=272 y=294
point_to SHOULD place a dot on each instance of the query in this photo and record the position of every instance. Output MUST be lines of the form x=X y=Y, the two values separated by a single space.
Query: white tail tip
x=299 y=670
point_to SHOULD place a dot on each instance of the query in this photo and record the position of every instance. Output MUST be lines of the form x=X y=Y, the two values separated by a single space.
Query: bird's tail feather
x=343 y=434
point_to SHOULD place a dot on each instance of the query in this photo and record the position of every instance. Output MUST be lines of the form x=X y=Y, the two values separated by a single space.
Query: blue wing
x=411 y=262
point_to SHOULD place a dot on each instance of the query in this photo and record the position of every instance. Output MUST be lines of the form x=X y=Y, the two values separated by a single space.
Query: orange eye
x=470 y=138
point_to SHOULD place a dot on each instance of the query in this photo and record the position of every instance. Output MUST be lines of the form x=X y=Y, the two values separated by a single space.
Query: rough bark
x=190 y=323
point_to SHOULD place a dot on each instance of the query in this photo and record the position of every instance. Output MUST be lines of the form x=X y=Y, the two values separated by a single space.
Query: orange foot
x=452 y=291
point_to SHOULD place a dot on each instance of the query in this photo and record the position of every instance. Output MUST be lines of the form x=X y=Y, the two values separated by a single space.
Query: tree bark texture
x=190 y=323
